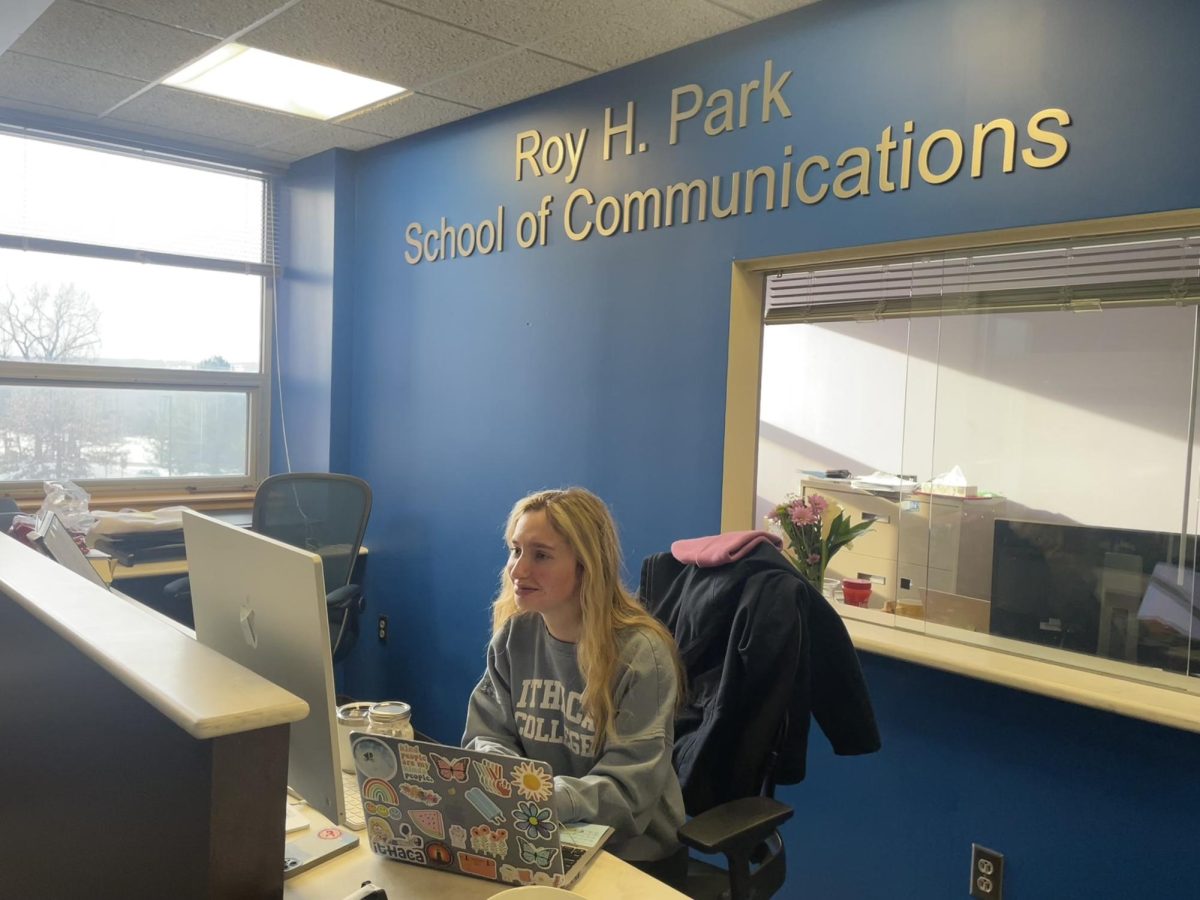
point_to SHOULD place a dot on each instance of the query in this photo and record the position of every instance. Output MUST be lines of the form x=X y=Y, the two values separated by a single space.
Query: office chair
x=8 y=511
x=762 y=651
x=727 y=770
x=327 y=514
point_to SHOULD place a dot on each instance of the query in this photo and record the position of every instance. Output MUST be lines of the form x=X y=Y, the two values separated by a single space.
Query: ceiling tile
x=323 y=136
x=198 y=115
x=644 y=31
x=374 y=40
x=510 y=78
x=219 y=18
x=520 y=21
x=110 y=42
x=764 y=9
x=42 y=81
x=407 y=115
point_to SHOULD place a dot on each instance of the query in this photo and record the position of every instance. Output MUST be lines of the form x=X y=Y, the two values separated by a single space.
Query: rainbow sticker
x=380 y=790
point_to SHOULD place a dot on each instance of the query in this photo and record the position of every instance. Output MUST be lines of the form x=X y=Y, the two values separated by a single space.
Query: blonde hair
x=584 y=522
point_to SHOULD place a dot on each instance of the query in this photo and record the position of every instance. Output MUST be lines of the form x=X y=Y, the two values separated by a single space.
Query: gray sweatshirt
x=529 y=703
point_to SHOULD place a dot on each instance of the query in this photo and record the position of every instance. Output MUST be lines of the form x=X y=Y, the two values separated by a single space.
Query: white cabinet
x=919 y=542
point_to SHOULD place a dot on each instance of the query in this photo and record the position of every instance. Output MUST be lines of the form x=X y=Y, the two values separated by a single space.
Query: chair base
x=705 y=882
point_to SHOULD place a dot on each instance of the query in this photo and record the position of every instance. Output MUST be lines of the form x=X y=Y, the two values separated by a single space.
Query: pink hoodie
x=720 y=549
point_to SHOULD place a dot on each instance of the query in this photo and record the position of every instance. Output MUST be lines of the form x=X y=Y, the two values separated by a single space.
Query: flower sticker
x=532 y=781
x=534 y=821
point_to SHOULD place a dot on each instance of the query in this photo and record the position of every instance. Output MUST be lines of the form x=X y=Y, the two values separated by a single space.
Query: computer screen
x=60 y=546
x=262 y=604
x=1062 y=585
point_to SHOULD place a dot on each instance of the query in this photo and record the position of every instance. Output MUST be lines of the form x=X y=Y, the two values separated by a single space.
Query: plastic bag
x=69 y=502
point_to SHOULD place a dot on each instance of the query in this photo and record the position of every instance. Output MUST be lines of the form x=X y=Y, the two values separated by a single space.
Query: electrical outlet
x=382 y=629
x=987 y=873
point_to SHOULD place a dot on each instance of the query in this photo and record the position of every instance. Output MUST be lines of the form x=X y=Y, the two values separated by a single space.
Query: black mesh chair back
x=326 y=514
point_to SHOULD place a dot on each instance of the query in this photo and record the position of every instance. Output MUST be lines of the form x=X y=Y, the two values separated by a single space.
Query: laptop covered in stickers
x=486 y=815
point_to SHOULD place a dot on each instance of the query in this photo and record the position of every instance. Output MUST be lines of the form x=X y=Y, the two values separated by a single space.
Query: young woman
x=579 y=676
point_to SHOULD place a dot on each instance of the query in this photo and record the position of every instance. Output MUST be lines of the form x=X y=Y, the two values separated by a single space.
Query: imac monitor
x=262 y=604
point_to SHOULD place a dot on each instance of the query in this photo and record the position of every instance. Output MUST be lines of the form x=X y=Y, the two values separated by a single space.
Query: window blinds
x=1091 y=275
x=58 y=193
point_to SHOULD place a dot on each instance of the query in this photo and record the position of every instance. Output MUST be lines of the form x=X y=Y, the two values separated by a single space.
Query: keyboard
x=354 y=810
x=570 y=855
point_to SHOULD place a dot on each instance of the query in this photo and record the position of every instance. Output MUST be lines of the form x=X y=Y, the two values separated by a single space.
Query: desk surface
x=607 y=878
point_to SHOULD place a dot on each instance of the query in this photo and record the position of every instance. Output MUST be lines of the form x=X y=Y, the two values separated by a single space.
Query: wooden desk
x=111 y=570
x=607 y=878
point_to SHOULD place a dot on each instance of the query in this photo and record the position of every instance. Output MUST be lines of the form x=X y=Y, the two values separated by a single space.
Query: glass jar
x=392 y=718
x=351 y=717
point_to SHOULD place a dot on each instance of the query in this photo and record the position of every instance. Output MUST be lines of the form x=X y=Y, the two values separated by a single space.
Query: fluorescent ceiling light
x=259 y=78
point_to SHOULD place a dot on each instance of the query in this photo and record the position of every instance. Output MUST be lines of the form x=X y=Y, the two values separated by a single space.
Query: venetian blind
x=1085 y=275
x=70 y=195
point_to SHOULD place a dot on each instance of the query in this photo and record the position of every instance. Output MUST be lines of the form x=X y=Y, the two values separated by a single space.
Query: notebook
x=481 y=814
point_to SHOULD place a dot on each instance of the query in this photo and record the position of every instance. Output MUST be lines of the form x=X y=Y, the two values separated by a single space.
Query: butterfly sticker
x=542 y=857
x=450 y=769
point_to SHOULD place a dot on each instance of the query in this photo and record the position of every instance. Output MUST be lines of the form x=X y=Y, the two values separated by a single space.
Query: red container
x=856 y=591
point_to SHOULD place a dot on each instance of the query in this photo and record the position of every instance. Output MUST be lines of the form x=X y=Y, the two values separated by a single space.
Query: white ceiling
x=99 y=64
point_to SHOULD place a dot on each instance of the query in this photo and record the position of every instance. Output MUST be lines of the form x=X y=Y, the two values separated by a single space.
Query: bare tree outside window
x=62 y=328
x=52 y=432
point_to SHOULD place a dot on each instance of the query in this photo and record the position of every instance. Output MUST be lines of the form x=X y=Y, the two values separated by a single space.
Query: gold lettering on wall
x=940 y=154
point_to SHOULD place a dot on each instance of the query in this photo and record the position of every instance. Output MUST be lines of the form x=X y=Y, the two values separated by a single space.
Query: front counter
x=137 y=762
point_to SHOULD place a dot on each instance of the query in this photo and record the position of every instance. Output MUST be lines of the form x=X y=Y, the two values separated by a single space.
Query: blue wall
x=603 y=363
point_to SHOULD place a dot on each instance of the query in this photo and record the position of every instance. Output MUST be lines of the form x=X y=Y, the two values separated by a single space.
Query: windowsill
x=1170 y=706
x=148 y=500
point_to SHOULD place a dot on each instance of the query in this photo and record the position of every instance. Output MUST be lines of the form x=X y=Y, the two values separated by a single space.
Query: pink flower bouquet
x=814 y=529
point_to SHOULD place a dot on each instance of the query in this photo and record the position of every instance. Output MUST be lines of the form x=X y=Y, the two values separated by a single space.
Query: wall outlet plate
x=987 y=873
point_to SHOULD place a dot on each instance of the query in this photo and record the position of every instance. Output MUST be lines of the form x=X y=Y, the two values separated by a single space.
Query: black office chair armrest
x=346 y=597
x=736 y=826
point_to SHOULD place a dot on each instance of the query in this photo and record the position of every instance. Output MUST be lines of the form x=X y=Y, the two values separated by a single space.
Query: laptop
x=53 y=538
x=486 y=815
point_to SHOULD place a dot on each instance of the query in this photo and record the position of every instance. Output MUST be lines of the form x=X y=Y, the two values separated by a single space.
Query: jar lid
x=354 y=712
x=390 y=710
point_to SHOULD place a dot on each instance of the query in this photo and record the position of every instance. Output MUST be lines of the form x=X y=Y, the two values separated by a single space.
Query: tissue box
x=949 y=490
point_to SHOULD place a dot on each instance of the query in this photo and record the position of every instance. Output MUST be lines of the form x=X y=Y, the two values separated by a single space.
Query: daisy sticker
x=532 y=781
x=534 y=823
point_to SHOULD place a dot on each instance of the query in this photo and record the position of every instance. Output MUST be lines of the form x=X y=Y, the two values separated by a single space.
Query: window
x=1019 y=423
x=134 y=295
